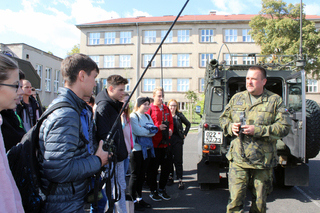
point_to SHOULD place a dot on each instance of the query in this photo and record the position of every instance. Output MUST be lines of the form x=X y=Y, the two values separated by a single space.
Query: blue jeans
x=126 y=165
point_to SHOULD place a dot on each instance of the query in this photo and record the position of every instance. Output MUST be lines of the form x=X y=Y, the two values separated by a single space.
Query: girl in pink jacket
x=10 y=200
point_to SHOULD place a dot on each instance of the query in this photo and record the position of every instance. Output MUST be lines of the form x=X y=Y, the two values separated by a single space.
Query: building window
x=182 y=106
x=231 y=35
x=127 y=86
x=48 y=79
x=201 y=85
x=95 y=58
x=183 y=60
x=39 y=72
x=183 y=85
x=167 y=85
x=110 y=38
x=246 y=37
x=149 y=84
x=94 y=38
x=204 y=59
x=150 y=36
x=248 y=60
x=169 y=37
x=312 y=85
x=207 y=35
x=167 y=60
x=125 y=61
x=228 y=59
x=56 y=81
x=125 y=37
x=108 y=61
x=183 y=35
x=146 y=60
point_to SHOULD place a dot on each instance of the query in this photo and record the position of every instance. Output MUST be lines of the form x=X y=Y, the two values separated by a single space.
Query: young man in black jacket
x=109 y=104
x=28 y=109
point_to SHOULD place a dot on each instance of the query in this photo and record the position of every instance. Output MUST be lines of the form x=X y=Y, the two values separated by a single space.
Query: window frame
x=183 y=61
x=147 y=84
x=203 y=60
x=56 y=81
x=106 y=61
x=150 y=36
x=313 y=87
x=205 y=37
x=111 y=38
x=48 y=79
x=125 y=37
x=94 y=40
x=246 y=37
x=231 y=37
x=181 y=84
x=169 y=38
x=183 y=36
x=39 y=72
x=125 y=61
x=147 y=58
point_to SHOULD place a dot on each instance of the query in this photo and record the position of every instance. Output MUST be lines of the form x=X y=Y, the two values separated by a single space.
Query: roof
x=185 y=18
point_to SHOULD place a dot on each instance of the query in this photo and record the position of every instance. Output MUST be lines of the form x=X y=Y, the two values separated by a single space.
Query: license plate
x=213 y=137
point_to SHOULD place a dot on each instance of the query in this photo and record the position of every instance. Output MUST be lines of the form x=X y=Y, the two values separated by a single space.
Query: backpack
x=25 y=167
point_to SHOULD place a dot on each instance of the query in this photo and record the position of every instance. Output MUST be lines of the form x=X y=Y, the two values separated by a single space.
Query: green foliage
x=49 y=52
x=277 y=30
x=75 y=49
x=192 y=97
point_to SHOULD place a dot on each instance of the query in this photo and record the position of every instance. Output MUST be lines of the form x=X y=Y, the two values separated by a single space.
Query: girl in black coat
x=177 y=140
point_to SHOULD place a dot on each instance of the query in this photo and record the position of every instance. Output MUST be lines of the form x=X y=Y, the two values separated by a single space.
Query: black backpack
x=24 y=164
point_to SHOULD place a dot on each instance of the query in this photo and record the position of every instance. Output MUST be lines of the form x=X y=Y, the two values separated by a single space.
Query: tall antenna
x=300 y=51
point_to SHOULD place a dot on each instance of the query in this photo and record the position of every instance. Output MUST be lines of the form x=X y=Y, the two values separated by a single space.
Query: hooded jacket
x=107 y=111
x=65 y=157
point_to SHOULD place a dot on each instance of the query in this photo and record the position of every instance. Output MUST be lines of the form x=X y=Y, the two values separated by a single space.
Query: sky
x=51 y=25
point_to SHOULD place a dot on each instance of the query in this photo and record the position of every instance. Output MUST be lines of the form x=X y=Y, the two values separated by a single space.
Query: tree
x=277 y=30
x=192 y=97
x=75 y=49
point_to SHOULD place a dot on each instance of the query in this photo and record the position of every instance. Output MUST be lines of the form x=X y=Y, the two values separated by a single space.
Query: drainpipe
x=138 y=61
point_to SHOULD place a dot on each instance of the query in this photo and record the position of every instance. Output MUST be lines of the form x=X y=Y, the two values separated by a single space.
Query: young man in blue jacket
x=66 y=159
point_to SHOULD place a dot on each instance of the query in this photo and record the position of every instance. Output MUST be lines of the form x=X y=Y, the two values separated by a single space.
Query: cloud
x=235 y=6
x=136 y=13
x=84 y=12
x=312 y=9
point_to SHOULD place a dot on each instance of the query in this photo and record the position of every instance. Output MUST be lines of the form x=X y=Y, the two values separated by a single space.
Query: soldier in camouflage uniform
x=252 y=153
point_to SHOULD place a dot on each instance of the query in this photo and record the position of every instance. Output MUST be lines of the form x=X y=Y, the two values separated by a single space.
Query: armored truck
x=285 y=77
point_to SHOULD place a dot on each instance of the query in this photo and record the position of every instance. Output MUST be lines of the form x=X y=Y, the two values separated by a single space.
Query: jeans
x=126 y=165
x=120 y=206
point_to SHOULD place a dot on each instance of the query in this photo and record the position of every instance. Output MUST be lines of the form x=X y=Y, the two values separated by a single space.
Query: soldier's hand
x=248 y=129
x=103 y=155
x=235 y=128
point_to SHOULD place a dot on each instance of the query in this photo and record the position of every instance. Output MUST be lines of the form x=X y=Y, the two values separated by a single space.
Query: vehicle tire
x=312 y=128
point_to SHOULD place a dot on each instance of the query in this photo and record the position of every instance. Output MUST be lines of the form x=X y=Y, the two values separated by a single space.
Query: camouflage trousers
x=258 y=181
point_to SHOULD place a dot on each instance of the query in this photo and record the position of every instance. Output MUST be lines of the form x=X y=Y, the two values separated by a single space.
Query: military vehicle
x=284 y=77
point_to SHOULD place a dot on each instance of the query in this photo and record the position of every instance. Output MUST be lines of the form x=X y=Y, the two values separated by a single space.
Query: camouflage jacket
x=270 y=118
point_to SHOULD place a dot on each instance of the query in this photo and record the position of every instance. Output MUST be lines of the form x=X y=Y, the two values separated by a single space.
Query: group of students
x=71 y=139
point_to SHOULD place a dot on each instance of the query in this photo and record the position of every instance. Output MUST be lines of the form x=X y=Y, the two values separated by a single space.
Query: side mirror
x=198 y=111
